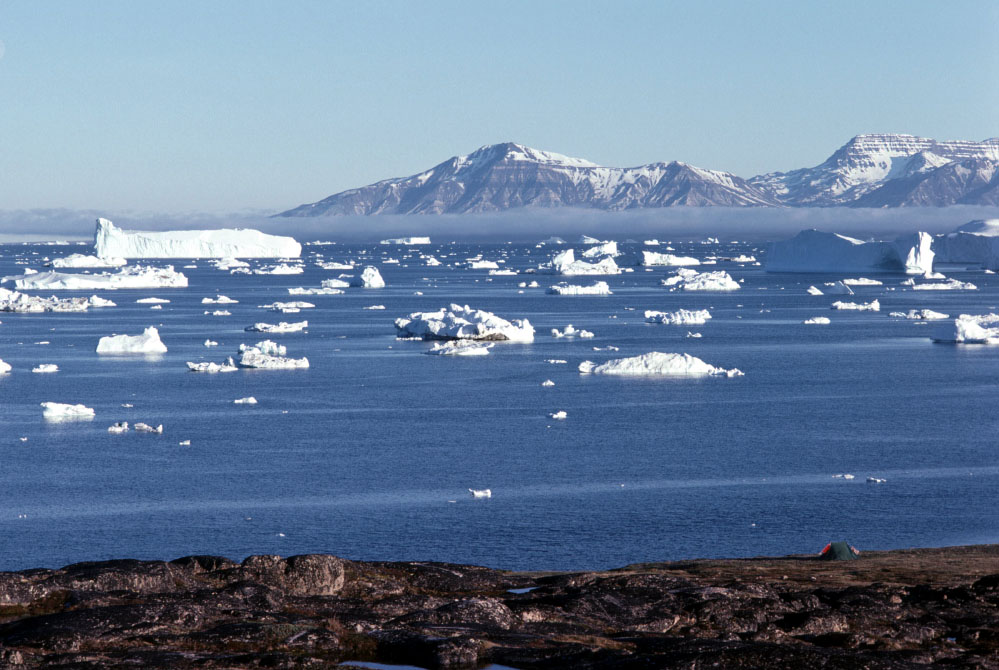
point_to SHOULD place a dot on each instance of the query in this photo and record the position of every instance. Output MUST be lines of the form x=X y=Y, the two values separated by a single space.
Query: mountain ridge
x=870 y=170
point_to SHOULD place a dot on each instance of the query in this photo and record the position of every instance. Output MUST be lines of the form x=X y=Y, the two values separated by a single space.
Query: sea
x=371 y=452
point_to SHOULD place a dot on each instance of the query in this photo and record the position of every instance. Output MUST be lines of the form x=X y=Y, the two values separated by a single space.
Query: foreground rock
x=887 y=610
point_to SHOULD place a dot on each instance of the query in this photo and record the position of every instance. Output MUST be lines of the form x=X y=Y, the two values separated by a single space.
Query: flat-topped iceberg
x=948 y=285
x=691 y=280
x=282 y=327
x=654 y=258
x=815 y=251
x=148 y=342
x=872 y=306
x=461 y=322
x=969 y=329
x=460 y=348
x=565 y=263
x=973 y=243
x=657 y=364
x=138 y=276
x=58 y=411
x=605 y=249
x=681 y=317
x=919 y=315
x=564 y=288
x=110 y=242
x=407 y=241
x=85 y=261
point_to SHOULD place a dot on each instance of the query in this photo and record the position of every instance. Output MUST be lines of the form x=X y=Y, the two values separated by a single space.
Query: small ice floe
x=483 y=265
x=160 y=307
x=862 y=281
x=152 y=301
x=57 y=411
x=281 y=327
x=657 y=364
x=814 y=291
x=211 y=343
x=268 y=347
x=460 y=348
x=280 y=269
x=691 y=280
x=118 y=428
x=138 y=276
x=127 y=405
x=45 y=367
x=559 y=415
x=288 y=307
x=653 y=258
x=556 y=361
x=817 y=321
x=609 y=347
x=184 y=443
x=314 y=291
x=843 y=476
x=219 y=300
x=564 y=288
x=254 y=357
x=249 y=400
x=876 y=480
x=685 y=317
x=570 y=331
x=548 y=382
x=97 y=301
x=146 y=428
x=147 y=343
x=459 y=322
x=209 y=366
x=374 y=307
x=84 y=261
x=694 y=335
x=872 y=306
x=919 y=315
x=219 y=312
x=949 y=285
x=969 y=329
x=4 y=367
x=481 y=493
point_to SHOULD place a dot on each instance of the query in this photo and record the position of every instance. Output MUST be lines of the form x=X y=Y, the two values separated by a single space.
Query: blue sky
x=218 y=106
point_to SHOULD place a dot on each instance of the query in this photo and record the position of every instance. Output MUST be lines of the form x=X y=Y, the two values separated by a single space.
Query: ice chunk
x=559 y=415
x=605 y=249
x=265 y=347
x=57 y=411
x=548 y=382
x=652 y=258
x=571 y=332
x=872 y=306
x=15 y=301
x=207 y=366
x=4 y=367
x=314 y=291
x=280 y=269
x=656 y=363
x=147 y=343
x=459 y=322
x=139 y=276
x=45 y=367
x=681 y=317
x=211 y=343
x=370 y=278
x=565 y=263
x=564 y=288
x=862 y=281
x=817 y=321
x=154 y=301
x=146 y=428
x=408 y=241
x=219 y=300
x=481 y=493
x=110 y=241
x=97 y=301
x=919 y=315
x=949 y=285
x=281 y=327
x=118 y=428
x=814 y=291
x=460 y=348
x=691 y=280
x=249 y=400
x=374 y=307
x=815 y=251
x=483 y=265
x=252 y=357
x=84 y=261
x=969 y=329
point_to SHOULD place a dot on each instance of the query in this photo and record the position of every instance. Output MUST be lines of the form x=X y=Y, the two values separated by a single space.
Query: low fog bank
x=751 y=224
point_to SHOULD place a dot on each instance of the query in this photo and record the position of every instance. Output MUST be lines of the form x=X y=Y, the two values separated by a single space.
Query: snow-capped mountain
x=868 y=171
x=506 y=176
x=886 y=171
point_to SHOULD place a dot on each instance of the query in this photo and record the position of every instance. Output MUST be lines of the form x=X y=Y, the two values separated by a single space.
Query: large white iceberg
x=969 y=329
x=657 y=364
x=681 y=317
x=138 y=276
x=147 y=343
x=461 y=322
x=815 y=251
x=370 y=278
x=691 y=280
x=110 y=241
x=653 y=258
x=973 y=243
x=565 y=263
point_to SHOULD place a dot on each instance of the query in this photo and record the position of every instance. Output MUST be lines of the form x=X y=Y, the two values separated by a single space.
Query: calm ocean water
x=369 y=454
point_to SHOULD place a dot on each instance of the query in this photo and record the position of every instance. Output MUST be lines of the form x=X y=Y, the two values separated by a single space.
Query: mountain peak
x=514 y=152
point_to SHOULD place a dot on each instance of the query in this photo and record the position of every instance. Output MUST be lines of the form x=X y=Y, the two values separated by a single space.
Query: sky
x=260 y=106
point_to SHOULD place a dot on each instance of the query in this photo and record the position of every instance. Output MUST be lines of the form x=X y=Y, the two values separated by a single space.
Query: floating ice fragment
x=570 y=331
x=564 y=288
x=656 y=363
x=460 y=348
x=45 y=367
x=481 y=493
x=249 y=400
x=146 y=428
x=872 y=306
x=57 y=411
x=463 y=322
x=684 y=317
x=559 y=415
x=207 y=366
x=147 y=343
x=281 y=327
x=817 y=321
x=118 y=428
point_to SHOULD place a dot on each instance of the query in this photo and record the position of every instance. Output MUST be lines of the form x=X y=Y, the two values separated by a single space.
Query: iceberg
x=207 y=366
x=255 y=358
x=85 y=261
x=249 y=400
x=919 y=315
x=118 y=428
x=138 y=276
x=969 y=329
x=15 y=301
x=460 y=348
x=112 y=242
x=559 y=415
x=281 y=327
x=681 y=317
x=570 y=331
x=146 y=428
x=973 y=243
x=370 y=278
x=407 y=241
x=817 y=321
x=564 y=288
x=949 y=285
x=565 y=263
x=280 y=269
x=315 y=291
x=45 y=367
x=862 y=281
x=657 y=364
x=815 y=251
x=57 y=411
x=483 y=265
x=814 y=291
x=691 y=280
x=4 y=367
x=653 y=258
x=872 y=306
x=147 y=343
x=218 y=300
x=605 y=249
x=266 y=347
x=461 y=322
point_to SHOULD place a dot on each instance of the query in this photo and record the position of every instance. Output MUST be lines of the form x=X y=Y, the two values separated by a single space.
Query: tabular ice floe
x=148 y=342
x=919 y=315
x=333 y=265
x=15 y=301
x=218 y=312
x=85 y=261
x=483 y=265
x=110 y=241
x=374 y=307
x=57 y=411
x=564 y=288
x=862 y=281
x=817 y=321
x=653 y=259
x=657 y=364
x=230 y=264
x=872 y=306
x=691 y=280
x=138 y=276
x=461 y=322
x=570 y=331
x=406 y=241
x=43 y=368
x=314 y=291
x=949 y=285
x=153 y=301
x=681 y=317
x=815 y=251
x=460 y=348
x=249 y=400
x=292 y=307
x=207 y=366
x=219 y=300
x=370 y=278
x=565 y=263
x=211 y=343
x=282 y=327
x=969 y=329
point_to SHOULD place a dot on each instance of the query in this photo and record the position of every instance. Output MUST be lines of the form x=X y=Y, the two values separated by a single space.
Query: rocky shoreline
x=893 y=609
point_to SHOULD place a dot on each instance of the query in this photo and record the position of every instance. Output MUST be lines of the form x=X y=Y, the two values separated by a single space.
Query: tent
x=839 y=551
